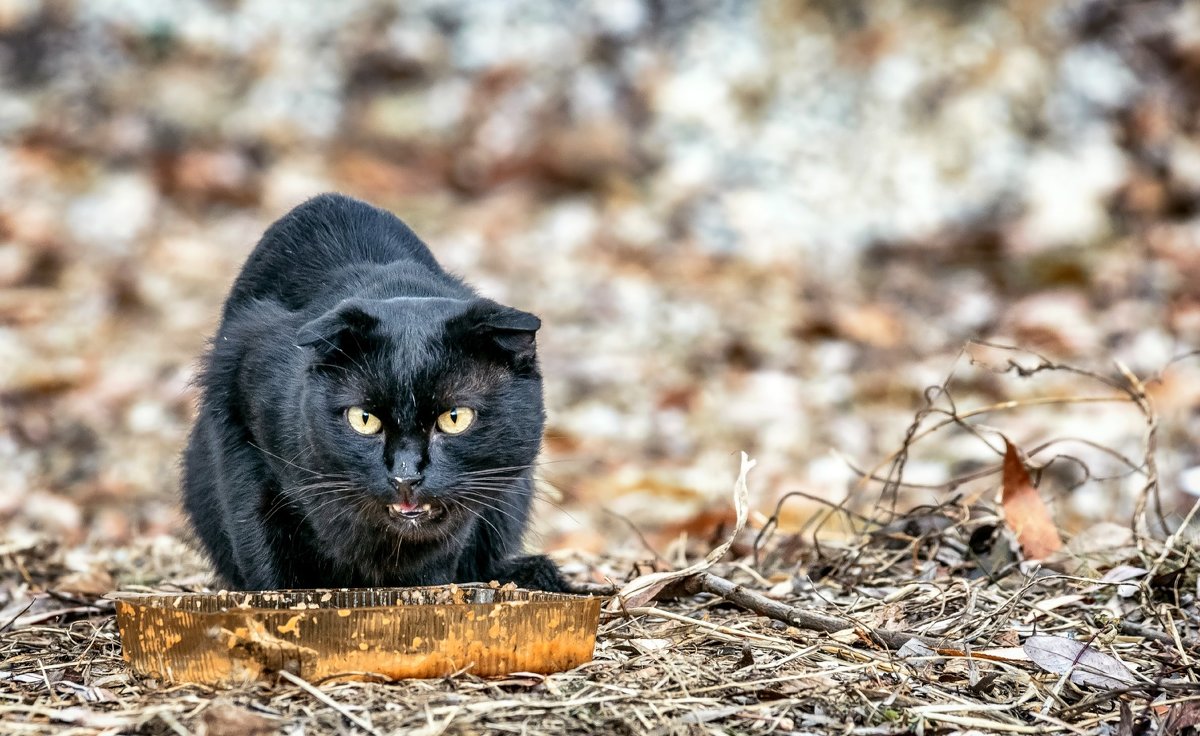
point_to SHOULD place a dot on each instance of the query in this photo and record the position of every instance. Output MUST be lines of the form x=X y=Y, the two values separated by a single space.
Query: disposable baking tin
x=231 y=638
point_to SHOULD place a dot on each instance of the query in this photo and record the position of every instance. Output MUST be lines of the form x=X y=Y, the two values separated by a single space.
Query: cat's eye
x=363 y=421
x=456 y=420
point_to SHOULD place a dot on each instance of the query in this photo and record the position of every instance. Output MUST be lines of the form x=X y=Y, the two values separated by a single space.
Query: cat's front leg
x=534 y=572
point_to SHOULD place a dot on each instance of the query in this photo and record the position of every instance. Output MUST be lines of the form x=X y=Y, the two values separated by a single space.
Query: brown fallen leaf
x=1007 y=638
x=95 y=581
x=228 y=718
x=1181 y=716
x=1024 y=511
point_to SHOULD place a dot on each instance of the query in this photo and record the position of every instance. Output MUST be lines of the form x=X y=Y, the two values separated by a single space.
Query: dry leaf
x=1181 y=716
x=224 y=717
x=1057 y=602
x=1125 y=727
x=915 y=648
x=890 y=617
x=1087 y=666
x=1101 y=545
x=96 y=581
x=1024 y=511
x=641 y=590
x=845 y=636
x=956 y=669
x=1104 y=536
x=651 y=645
x=780 y=591
x=1120 y=574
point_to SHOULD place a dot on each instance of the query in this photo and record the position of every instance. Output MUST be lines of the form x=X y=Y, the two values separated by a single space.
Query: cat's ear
x=328 y=332
x=506 y=328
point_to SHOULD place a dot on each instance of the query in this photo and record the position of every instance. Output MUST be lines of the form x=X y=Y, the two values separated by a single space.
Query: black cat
x=366 y=418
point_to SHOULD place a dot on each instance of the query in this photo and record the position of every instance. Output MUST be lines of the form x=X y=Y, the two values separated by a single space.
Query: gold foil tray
x=233 y=638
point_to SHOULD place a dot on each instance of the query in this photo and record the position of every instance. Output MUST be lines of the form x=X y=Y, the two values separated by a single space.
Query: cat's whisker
x=533 y=494
x=394 y=558
x=286 y=461
x=318 y=485
x=477 y=515
x=322 y=505
x=277 y=507
x=485 y=501
x=516 y=488
x=351 y=510
x=538 y=464
x=547 y=501
x=346 y=513
x=321 y=485
x=536 y=480
x=299 y=454
x=322 y=489
x=485 y=520
x=310 y=512
x=280 y=503
x=488 y=503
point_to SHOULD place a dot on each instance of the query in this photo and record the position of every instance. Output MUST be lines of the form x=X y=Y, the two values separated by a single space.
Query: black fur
x=341 y=305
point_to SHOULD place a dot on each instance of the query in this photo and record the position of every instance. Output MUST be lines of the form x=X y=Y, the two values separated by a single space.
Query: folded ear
x=499 y=317
x=329 y=332
x=506 y=329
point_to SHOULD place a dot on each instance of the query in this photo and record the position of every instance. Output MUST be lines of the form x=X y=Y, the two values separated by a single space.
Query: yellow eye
x=363 y=421
x=456 y=420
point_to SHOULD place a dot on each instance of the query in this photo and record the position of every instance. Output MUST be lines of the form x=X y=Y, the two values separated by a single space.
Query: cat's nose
x=405 y=485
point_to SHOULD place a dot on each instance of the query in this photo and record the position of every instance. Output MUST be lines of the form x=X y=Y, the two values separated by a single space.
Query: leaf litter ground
x=929 y=621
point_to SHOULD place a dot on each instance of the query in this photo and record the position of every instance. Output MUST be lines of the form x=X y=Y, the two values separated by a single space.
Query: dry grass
x=948 y=574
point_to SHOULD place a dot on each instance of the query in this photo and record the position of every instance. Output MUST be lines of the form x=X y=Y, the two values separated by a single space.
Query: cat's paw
x=534 y=572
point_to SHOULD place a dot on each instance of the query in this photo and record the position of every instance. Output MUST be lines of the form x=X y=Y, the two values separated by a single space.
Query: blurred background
x=747 y=226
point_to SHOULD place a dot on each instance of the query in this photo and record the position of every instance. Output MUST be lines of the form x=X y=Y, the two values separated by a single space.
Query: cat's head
x=422 y=412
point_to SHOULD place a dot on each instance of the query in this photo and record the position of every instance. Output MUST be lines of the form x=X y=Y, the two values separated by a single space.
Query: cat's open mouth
x=418 y=513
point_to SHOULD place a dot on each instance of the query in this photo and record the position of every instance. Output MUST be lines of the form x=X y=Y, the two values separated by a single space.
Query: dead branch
x=755 y=602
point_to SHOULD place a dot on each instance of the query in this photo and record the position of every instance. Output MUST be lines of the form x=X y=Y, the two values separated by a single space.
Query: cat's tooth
x=427 y=507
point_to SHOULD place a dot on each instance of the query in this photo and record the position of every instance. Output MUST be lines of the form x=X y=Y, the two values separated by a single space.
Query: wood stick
x=740 y=595
x=301 y=683
x=589 y=588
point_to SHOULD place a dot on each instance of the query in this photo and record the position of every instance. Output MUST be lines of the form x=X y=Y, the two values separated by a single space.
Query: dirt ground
x=803 y=230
